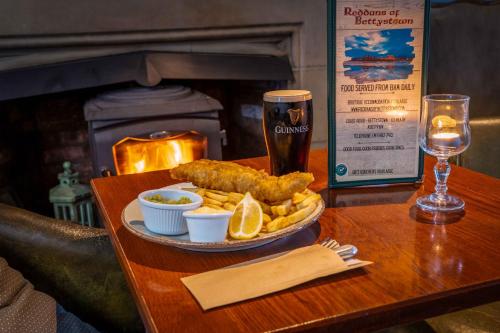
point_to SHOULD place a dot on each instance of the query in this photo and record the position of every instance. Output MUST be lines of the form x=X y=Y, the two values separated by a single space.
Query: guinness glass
x=288 y=123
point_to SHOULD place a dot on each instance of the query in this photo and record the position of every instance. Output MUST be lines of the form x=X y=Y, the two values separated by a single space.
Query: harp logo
x=295 y=115
x=295 y=118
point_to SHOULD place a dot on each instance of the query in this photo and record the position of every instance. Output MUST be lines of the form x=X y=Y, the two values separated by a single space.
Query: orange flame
x=135 y=155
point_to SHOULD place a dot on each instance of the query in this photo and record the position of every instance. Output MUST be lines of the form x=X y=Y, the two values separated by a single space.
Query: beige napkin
x=260 y=277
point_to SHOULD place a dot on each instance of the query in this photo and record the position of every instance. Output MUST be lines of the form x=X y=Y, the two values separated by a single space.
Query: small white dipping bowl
x=207 y=228
x=167 y=219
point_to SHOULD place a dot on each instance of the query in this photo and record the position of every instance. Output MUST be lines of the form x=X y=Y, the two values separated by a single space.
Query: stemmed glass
x=444 y=132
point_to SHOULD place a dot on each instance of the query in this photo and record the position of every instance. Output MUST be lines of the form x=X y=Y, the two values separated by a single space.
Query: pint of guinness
x=288 y=123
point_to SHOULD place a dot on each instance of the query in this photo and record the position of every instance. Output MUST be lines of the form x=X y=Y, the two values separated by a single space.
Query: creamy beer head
x=288 y=121
x=292 y=96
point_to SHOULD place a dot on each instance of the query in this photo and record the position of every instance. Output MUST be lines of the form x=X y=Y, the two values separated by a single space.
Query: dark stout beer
x=288 y=123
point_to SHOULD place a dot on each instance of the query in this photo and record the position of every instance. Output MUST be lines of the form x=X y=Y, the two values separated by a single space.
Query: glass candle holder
x=444 y=132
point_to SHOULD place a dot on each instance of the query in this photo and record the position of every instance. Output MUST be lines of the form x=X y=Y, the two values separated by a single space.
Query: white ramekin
x=207 y=228
x=167 y=219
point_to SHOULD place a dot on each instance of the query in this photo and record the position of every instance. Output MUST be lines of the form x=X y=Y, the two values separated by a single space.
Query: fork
x=344 y=251
x=330 y=243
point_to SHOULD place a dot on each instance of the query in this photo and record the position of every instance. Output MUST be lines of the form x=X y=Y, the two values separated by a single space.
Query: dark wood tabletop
x=420 y=269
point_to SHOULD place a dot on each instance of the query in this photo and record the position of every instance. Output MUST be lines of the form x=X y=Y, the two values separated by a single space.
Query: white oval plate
x=132 y=220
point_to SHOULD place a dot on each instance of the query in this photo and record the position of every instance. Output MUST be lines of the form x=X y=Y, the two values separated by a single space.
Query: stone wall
x=36 y=136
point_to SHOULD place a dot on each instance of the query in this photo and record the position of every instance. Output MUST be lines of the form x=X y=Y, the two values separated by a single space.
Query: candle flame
x=445 y=135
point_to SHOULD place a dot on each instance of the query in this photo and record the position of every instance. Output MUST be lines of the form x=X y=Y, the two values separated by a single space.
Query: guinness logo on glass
x=295 y=115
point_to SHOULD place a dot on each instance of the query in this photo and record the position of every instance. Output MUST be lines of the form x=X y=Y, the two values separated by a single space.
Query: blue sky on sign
x=380 y=43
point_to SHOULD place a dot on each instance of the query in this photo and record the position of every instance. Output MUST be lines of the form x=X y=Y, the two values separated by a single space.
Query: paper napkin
x=260 y=277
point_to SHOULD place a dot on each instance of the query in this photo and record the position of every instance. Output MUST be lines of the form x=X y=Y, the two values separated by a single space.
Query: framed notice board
x=377 y=56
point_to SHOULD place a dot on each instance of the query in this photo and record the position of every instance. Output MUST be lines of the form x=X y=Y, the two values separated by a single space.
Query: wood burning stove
x=139 y=112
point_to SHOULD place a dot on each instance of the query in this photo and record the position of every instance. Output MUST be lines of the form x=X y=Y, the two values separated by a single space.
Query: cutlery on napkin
x=266 y=275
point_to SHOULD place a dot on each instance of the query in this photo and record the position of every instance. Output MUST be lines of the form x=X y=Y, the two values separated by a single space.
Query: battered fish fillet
x=232 y=177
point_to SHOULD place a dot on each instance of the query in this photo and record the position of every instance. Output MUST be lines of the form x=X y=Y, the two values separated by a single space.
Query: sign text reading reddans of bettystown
x=376 y=17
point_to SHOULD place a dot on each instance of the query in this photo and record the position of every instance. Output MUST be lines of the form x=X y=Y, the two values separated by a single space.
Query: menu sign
x=376 y=81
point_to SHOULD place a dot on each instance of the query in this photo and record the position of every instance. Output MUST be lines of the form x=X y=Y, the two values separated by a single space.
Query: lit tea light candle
x=446 y=139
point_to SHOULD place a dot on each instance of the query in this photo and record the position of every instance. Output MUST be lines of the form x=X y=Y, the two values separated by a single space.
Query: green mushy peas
x=157 y=198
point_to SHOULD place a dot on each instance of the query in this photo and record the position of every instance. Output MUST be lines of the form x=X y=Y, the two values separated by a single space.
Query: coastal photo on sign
x=379 y=55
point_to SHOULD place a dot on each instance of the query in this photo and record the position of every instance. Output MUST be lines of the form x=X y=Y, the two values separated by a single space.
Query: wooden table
x=420 y=269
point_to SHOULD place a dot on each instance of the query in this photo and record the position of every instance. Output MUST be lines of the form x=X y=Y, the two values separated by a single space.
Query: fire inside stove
x=162 y=150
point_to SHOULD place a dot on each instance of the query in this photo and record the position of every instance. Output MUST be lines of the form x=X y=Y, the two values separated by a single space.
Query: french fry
x=229 y=206
x=215 y=196
x=200 y=191
x=301 y=214
x=234 y=197
x=212 y=202
x=276 y=224
x=218 y=192
x=213 y=206
x=265 y=207
x=292 y=210
x=311 y=199
x=266 y=218
x=282 y=209
x=298 y=198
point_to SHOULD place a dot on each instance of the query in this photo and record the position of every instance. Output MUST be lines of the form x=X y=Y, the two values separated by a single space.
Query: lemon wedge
x=246 y=221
